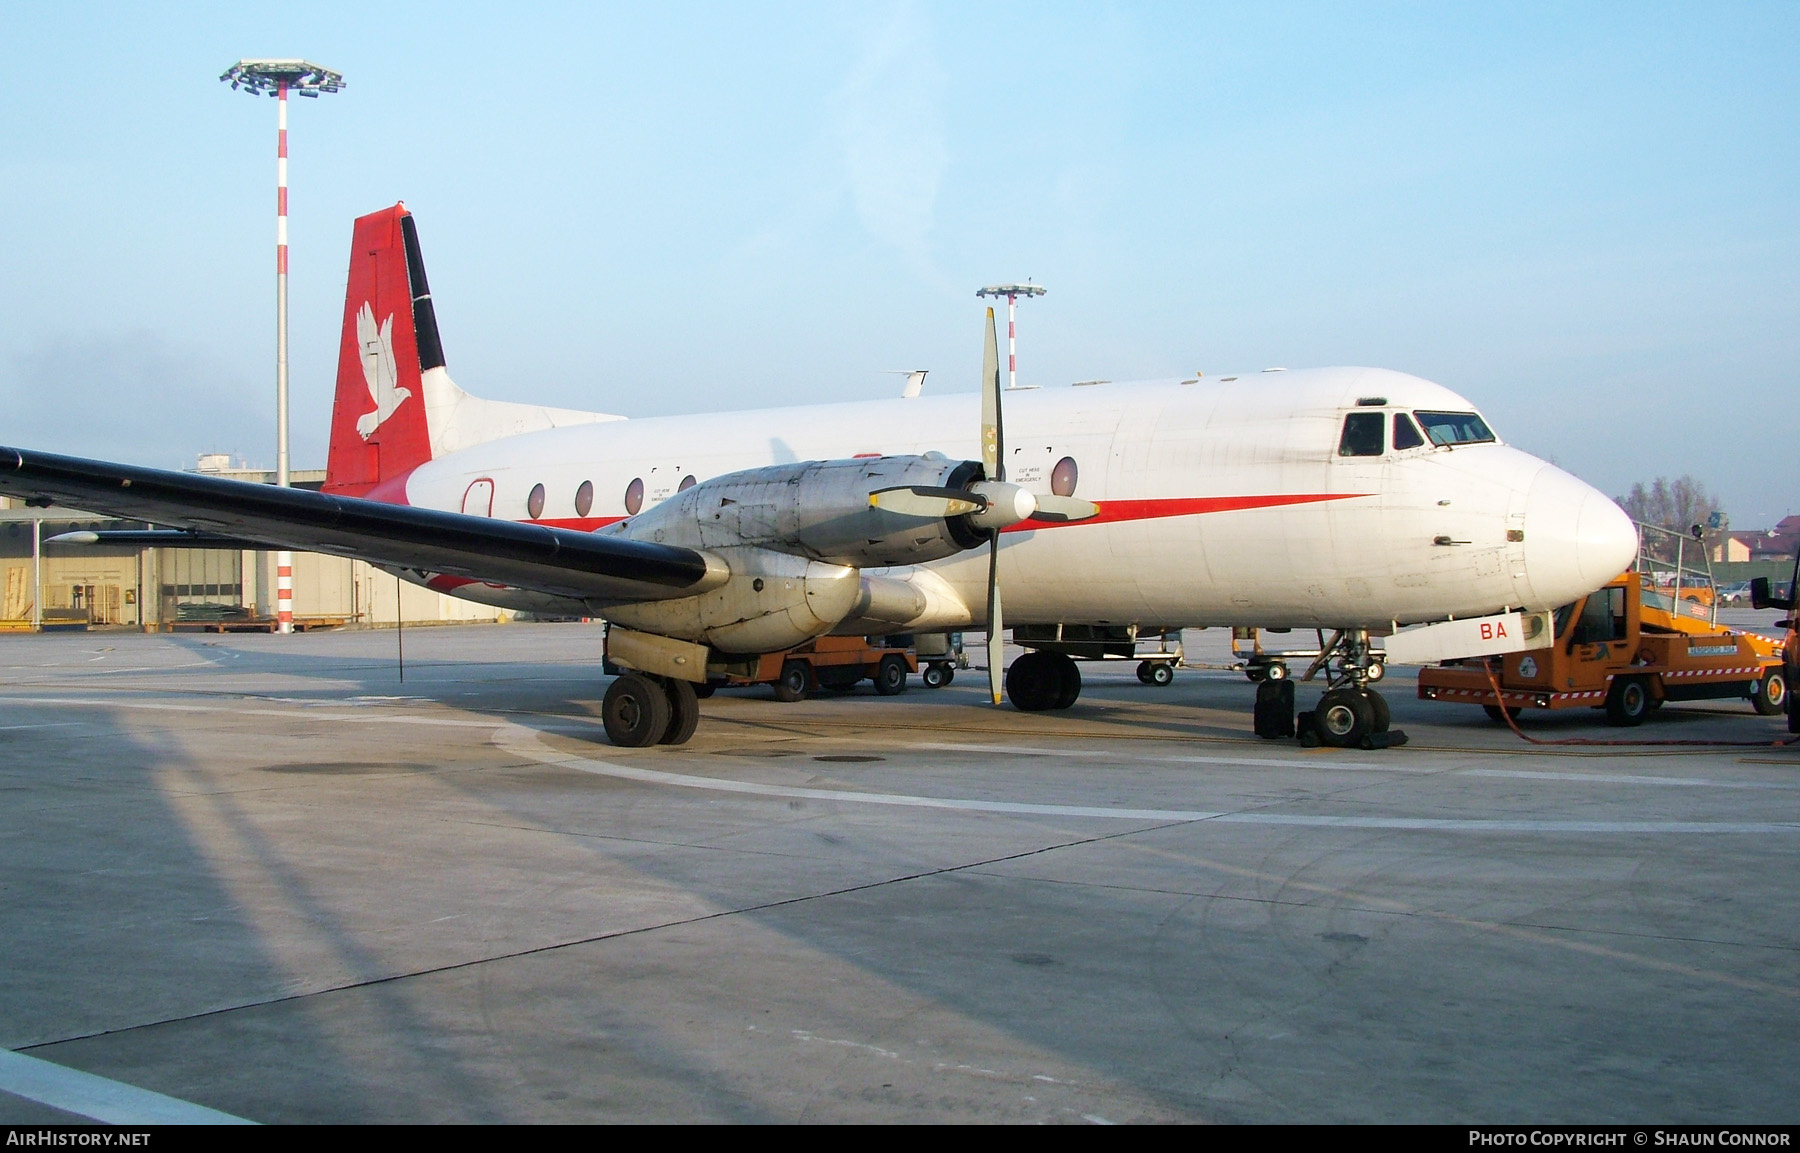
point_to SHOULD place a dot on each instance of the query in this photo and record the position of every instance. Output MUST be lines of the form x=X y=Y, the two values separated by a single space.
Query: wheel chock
x=1392 y=739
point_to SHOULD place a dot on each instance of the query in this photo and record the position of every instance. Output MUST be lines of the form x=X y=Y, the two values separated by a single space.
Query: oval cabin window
x=1064 y=477
x=634 y=496
x=584 y=498
x=687 y=482
x=534 y=504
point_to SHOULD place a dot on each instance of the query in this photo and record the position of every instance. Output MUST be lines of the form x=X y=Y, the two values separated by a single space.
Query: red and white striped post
x=277 y=78
x=1012 y=340
x=284 y=561
x=1012 y=292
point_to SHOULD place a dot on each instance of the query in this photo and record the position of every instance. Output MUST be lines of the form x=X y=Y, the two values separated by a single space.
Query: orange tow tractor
x=1627 y=648
x=837 y=663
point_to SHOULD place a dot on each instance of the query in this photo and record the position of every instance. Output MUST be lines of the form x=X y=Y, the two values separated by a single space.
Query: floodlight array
x=267 y=77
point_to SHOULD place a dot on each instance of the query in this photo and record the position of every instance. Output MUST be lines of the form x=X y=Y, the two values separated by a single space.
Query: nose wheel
x=1350 y=713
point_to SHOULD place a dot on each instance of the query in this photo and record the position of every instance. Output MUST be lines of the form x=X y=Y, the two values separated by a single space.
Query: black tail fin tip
x=431 y=345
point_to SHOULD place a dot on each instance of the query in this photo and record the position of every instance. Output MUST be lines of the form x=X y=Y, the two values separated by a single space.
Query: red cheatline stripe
x=1111 y=511
x=1117 y=511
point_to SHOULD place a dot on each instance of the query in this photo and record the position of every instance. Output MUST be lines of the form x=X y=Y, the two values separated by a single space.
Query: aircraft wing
x=536 y=557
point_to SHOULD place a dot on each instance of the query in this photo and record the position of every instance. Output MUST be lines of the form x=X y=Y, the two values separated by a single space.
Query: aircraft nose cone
x=1576 y=539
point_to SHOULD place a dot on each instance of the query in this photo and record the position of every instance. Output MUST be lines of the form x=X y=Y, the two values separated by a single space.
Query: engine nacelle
x=819 y=510
x=772 y=601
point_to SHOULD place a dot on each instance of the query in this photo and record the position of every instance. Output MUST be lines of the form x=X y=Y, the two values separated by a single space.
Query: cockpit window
x=1406 y=433
x=1455 y=428
x=1362 y=434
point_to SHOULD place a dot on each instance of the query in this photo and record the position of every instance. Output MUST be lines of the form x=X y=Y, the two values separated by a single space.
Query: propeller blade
x=923 y=501
x=996 y=655
x=1061 y=509
x=993 y=446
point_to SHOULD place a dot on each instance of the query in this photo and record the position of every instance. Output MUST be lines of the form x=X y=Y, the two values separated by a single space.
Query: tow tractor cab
x=1649 y=635
x=1763 y=597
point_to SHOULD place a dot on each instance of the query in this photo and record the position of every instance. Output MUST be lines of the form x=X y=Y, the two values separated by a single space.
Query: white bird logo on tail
x=378 y=370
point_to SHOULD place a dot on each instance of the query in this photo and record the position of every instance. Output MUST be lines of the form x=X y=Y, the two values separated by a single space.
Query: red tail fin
x=378 y=427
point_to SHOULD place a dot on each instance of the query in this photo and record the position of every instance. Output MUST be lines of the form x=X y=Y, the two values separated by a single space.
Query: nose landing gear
x=1350 y=713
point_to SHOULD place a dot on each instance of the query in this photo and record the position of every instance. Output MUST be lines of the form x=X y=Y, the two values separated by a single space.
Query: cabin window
x=534 y=504
x=1602 y=618
x=1362 y=434
x=584 y=498
x=1406 y=433
x=1455 y=428
x=634 y=496
x=1064 y=477
x=687 y=482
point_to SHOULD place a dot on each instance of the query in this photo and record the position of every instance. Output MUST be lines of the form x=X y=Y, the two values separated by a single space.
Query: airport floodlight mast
x=1012 y=292
x=277 y=78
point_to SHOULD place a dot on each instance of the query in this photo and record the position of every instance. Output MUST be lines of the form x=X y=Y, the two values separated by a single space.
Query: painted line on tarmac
x=1623 y=779
x=1269 y=762
x=100 y=1098
x=529 y=743
x=1365 y=767
x=287 y=714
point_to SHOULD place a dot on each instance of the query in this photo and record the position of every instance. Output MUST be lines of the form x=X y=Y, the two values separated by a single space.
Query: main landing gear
x=1042 y=680
x=1350 y=713
x=641 y=709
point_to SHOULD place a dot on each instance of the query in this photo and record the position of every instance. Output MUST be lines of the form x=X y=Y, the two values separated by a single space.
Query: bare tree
x=1676 y=505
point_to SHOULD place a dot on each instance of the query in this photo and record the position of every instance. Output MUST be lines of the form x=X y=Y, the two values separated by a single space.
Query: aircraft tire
x=635 y=711
x=1628 y=702
x=1274 y=716
x=1344 y=717
x=936 y=675
x=1032 y=683
x=1162 y=674
x=1068 y=680
x=795 y=683
x=890 y=675
x=1144 y=671
x=1379 y=708
x=1769 y=695
x=684 y=711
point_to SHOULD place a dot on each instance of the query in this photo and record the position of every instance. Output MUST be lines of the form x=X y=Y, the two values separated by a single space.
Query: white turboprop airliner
x=1341 y=499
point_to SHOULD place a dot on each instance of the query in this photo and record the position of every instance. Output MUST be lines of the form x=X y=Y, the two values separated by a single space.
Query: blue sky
x=1581 y=217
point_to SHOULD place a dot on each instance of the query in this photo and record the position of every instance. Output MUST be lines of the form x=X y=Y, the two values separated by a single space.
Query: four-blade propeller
x=991 y=504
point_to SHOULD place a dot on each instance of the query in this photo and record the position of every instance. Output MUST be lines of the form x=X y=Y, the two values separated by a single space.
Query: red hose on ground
x=1500 y=702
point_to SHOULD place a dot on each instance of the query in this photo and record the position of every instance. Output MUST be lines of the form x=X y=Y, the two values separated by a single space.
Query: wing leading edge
x=561 y=562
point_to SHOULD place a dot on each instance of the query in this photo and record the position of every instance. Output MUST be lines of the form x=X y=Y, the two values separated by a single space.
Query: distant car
x=1736 y=593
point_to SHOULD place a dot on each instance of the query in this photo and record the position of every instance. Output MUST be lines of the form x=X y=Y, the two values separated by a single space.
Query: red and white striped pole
x=1012 y=292
x=284 y=561
x=1012 y=340
x=278 y=78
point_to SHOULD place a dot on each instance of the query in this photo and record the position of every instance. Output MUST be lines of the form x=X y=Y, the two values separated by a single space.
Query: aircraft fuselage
x=1223 y=502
